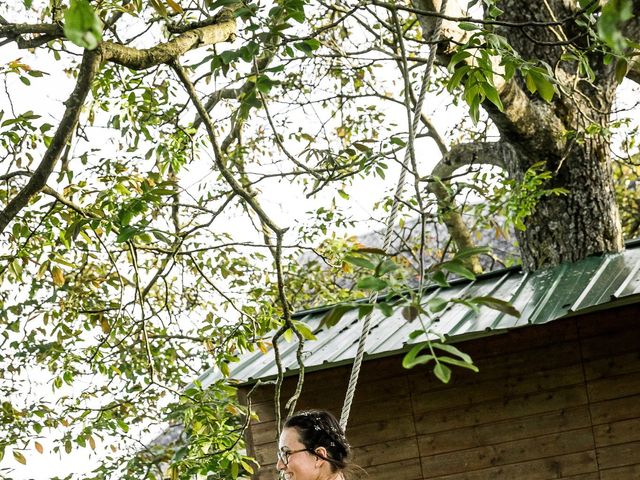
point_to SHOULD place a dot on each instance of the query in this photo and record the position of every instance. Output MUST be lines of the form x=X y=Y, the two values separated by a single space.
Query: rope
x=366 y=326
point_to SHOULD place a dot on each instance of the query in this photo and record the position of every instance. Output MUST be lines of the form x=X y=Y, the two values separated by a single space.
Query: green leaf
x=468 y=26
x=543 y=85
x=497 y=304
x=622 y=67
x=453 y=350
x=334 y=315
x=437 y=304
x=228 y=56
x=248 y=468
x=457 y=58
x=359 y=262
x=387 y=266
x=364 y=309
x=362 y=147
x=456 y=267
x=371 y=283
x=19 y=457
x=440 y=279
x=471 y=252
x=385 y=308
x=122 y=425
x=288 y=335
x=126 y=233
x=415 y=334
x=307 y=46
x=457 y=77
x=304 y=330
x=264 y=83
x=474 y=108
x=411 y=359
x=398 y=141
x=531 y=84
x=458 y=363
x=442 y=372
x=492 y=94
x=614 y=14
x=82 y=25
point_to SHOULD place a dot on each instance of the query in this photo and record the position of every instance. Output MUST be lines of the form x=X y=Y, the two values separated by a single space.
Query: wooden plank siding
x=560 y=400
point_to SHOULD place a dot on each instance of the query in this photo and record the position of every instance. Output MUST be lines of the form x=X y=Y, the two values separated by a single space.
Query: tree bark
x=585 y=221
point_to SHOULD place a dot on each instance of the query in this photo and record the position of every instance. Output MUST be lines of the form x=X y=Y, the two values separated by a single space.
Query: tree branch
x=88 y=69
x=476 y=153
x=138 y=59
x=533 y=122
x=45 y=32
x=464 y=154
x=218 y=154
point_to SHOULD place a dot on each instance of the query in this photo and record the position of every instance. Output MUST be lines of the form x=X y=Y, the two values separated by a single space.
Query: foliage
x=82 y=25
x=153 y=251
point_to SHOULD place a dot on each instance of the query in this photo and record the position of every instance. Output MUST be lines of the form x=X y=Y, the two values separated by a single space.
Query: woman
x=312 y=446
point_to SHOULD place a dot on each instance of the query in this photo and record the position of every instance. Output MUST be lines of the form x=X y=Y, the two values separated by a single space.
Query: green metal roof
x=596 y=282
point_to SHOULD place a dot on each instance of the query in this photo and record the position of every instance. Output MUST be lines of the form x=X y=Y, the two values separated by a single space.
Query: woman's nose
x=280 y=466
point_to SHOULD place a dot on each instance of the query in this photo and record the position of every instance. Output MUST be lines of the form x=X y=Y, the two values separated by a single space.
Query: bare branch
x=18 y=173
x=477 y=153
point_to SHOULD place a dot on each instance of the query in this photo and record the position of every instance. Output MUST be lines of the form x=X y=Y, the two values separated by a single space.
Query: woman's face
x=302 y=465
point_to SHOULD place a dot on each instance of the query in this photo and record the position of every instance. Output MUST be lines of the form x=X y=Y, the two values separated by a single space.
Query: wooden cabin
x=557 y=394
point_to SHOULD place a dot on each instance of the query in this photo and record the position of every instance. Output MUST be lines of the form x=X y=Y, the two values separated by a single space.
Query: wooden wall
x=552 y=401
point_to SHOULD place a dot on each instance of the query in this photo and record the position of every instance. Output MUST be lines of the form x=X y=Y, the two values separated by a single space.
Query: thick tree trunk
x=585 y=220
x=582 y=222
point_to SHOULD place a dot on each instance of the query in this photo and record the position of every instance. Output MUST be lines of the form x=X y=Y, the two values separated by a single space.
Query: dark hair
x=319 y=428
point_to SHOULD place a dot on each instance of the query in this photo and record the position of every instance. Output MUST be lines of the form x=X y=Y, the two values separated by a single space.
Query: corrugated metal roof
x=541 y=297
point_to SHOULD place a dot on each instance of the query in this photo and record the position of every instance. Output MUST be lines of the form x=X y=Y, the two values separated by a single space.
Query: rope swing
x=413 y=127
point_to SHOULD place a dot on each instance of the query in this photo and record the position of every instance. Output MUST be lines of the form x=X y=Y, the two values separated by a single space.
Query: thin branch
x=479 y=21
x=218 y=154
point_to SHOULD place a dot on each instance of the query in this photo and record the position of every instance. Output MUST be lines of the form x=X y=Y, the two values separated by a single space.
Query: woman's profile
x=313 y=446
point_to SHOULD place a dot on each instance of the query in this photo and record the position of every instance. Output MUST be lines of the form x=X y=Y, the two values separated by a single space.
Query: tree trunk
x=585 y=220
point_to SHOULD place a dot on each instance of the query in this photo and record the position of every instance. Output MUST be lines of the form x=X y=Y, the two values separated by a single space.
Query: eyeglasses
x=283 y=456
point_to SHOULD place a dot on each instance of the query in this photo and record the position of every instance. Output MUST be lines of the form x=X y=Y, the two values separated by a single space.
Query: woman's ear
x=322 y=452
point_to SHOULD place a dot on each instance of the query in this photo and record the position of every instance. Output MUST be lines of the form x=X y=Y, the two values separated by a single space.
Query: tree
x=124 y=271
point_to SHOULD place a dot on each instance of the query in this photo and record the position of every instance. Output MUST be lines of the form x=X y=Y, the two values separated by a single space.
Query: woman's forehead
x=290 y=439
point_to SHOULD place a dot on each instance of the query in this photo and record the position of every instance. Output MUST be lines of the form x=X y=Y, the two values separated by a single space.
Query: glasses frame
x=284 y=456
